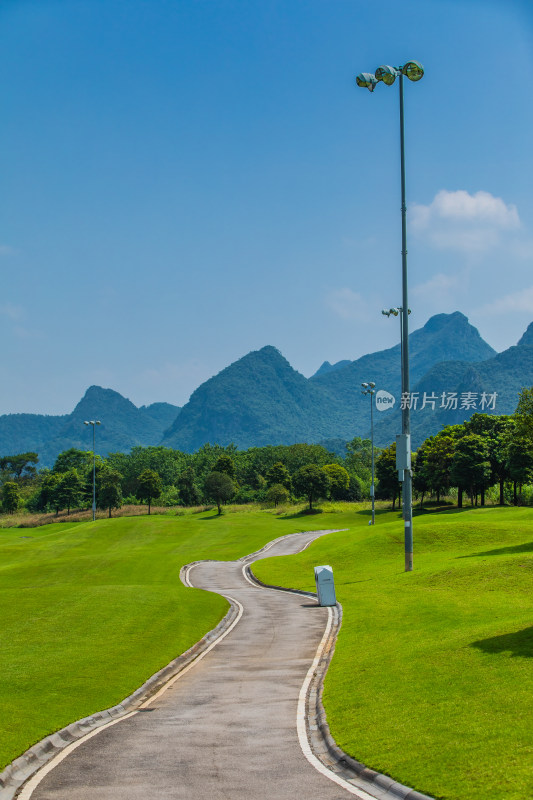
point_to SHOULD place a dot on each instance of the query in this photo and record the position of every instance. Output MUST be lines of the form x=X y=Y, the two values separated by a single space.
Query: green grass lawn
x=432 y=677
x=91 y=610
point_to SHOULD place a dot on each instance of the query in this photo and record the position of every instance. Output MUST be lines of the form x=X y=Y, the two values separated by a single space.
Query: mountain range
x=260 y=399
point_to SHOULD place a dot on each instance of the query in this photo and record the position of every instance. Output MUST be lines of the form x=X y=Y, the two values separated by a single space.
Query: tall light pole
x=395 y=312
x=414 y=71
x=370 y=388
x=94 y=423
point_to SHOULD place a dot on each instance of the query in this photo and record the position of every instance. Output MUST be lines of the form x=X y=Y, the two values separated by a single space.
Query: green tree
x=519 y=463
x=470 y=469
x=359 y=458
x=10 y=497
x=524 y=413
x=21 y=465
x=279 y=475
x=48 y=496
x=421 y=480
x=73 y=458
x=438 y=456
x=149 y=486
x=109 y=492
x=339 y=481
x=219 y=487
x=225 y=464
x=189 y=493
x=69 y=490
x=497 y=431
x=388 y=487
x=277 y=494
x=312 y=482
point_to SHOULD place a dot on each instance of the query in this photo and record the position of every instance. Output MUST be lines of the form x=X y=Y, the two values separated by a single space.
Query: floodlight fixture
x=365 y=80
x=386 y=74
x=413 y=70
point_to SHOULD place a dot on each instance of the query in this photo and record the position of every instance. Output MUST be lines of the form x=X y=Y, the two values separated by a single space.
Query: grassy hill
x=91 y=610
x=432 y=674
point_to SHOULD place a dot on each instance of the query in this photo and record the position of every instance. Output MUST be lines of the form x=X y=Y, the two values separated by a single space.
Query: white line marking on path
x=32 y=784
x=301 y=726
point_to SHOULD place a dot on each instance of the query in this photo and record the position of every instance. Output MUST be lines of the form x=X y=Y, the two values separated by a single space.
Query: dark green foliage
x=46 y=498
x=278 y=475
x=21 y=465
x=339 y=481
x=470 y=469
x=277 y=493
x=312 y=482
x=149 y=486
x=69 y=490
x=10 y=497
x=359 y=457
x=225 y=463
x=109 y=493
x=356 y=490
x=189 y=492
x=388 y=487
x=166 y=462
x=497 y=431
x=219 y=487
x=73 y=459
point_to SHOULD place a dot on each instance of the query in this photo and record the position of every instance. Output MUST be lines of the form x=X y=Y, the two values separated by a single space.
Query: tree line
x=214 y=474
x=470 y=458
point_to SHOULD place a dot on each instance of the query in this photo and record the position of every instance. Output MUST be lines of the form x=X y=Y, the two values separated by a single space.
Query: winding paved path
x=224 y=730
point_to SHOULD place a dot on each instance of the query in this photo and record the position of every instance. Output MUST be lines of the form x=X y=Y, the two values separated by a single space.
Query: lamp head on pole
x=365 y=80
x=413 y=70
x=386 y=74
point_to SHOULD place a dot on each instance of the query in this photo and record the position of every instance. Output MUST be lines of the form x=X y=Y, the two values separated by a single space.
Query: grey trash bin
x=325 y=587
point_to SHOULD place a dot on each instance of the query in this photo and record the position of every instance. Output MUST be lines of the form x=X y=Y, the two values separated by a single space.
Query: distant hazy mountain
x=123 y=426
x=261 y=399
x=327 y=367
x=505 y=374
x=258 y=400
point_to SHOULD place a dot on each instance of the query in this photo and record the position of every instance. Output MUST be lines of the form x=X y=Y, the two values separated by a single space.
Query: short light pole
x=94 y=423
x=370 y=388
x=414 y=71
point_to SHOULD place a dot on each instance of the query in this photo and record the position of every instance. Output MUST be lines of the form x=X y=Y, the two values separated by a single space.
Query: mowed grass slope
x=91 y=610
x=432 y=677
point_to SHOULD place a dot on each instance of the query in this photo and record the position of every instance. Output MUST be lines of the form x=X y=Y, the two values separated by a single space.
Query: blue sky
x=183 y=181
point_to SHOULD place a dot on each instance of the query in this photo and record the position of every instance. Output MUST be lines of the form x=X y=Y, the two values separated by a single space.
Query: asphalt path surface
x=224 y=730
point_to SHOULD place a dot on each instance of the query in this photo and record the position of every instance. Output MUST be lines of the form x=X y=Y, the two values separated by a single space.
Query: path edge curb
x=321 y=740
x=19 y=771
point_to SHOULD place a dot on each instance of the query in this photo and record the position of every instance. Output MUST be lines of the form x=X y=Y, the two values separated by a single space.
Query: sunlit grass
x=433 y=670
x=91 y=610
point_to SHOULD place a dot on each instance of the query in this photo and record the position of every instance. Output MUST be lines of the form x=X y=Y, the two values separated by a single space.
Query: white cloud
x=347 y=304
x=471 y=223
x=12 y=312
x=438 y=284
x=520 y=301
